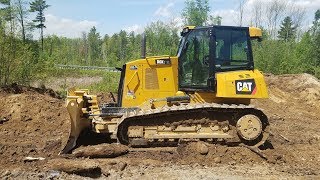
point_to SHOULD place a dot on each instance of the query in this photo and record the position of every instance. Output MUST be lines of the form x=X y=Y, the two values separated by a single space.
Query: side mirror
x=259 y=39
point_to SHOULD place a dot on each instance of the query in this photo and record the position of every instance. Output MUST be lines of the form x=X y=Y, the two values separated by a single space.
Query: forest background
x=287 y=46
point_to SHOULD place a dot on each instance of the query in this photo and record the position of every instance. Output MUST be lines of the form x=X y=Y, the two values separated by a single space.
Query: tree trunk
x=23 y=31
x=21 y=16
x=41 y=38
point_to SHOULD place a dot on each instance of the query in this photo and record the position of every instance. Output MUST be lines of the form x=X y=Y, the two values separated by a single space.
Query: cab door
x=196 y=61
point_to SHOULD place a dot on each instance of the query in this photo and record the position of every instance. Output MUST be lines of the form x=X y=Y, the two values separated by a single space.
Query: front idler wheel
x=249 y=128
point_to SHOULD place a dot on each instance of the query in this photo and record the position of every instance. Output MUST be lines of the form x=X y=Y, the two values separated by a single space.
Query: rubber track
x=235 y=111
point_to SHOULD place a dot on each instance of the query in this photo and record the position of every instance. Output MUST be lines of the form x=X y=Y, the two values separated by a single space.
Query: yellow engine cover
x=241 y=84
x=150 y=78
x=156 y=78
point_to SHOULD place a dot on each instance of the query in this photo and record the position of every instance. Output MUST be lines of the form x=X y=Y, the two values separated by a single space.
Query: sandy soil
x=34 y=123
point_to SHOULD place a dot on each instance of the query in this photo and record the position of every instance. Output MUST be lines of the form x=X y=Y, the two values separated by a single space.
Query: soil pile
x=34 y=123
x=302 y=88
x=293 y=110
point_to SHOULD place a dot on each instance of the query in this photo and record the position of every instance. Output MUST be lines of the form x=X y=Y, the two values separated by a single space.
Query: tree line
x=288 y=46
x=20 y=55
x=115 y=50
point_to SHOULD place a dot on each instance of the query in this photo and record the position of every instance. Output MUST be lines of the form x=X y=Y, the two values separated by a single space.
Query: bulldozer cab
x=205 y=51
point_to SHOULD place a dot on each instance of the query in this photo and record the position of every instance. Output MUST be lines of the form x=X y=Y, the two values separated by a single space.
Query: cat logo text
x=247 y=86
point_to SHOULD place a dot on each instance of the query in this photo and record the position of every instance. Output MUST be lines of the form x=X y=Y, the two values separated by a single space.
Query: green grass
x=109 y=83
x=77 y=73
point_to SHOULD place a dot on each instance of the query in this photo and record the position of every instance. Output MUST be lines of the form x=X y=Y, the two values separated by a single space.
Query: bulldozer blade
x=77 y=125
x=72 y=141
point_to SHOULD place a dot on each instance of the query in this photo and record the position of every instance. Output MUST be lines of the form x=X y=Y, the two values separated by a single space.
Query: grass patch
x=109 y=83
x=77 y=73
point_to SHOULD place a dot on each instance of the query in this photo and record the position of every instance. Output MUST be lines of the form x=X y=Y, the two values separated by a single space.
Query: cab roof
x=253 y=31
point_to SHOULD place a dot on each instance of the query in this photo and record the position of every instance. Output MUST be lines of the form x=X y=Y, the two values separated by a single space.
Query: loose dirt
x=34 y=123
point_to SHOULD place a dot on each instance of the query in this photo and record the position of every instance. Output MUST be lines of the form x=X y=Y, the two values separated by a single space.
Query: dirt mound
x=217 y=154
x=18 y=89
x=293 y=107
x=34 y=123
x=293 y=111
x=304 y=88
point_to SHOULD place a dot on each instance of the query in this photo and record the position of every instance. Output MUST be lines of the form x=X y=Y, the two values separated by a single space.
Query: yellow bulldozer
x=202 y=94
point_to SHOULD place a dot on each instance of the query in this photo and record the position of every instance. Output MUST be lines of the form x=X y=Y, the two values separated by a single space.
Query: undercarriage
x=211 y=122
x=227 y=124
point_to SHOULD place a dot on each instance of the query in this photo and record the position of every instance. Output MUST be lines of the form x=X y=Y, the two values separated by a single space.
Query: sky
x=70 y=18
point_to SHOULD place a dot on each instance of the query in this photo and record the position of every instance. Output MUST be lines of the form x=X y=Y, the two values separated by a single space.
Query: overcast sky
x=71 y=17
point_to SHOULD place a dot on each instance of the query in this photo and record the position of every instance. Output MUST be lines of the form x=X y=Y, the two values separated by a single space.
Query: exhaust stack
x=143 y=46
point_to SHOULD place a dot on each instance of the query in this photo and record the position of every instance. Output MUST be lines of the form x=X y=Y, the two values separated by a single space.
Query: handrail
x=109 y=69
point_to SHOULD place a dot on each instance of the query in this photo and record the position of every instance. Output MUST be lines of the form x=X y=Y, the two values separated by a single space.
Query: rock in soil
x=217 y=160
x=193 y=148
x=5 y=173
x=122 y=165
x=202 y=148
x=101 y=151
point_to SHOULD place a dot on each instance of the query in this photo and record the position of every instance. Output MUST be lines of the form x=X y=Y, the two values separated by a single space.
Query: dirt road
x=34 y=123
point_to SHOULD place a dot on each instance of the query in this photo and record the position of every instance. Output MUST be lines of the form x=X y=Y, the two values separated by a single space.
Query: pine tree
x=287 y=30
x=316 y=38
x=95 y=43
x=5 y=10
x=39 y=6
x=196 y=12
x=316 y=23
x=22 y=16
x=215 y=20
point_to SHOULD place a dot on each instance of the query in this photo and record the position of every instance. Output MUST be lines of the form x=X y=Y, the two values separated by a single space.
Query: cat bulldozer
x=201 y=94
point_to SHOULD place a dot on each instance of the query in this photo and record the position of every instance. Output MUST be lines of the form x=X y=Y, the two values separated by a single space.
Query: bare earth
x=34 y=123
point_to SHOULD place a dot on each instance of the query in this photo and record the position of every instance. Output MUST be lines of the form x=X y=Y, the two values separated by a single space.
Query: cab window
x=194 y=60
x=231 y=49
